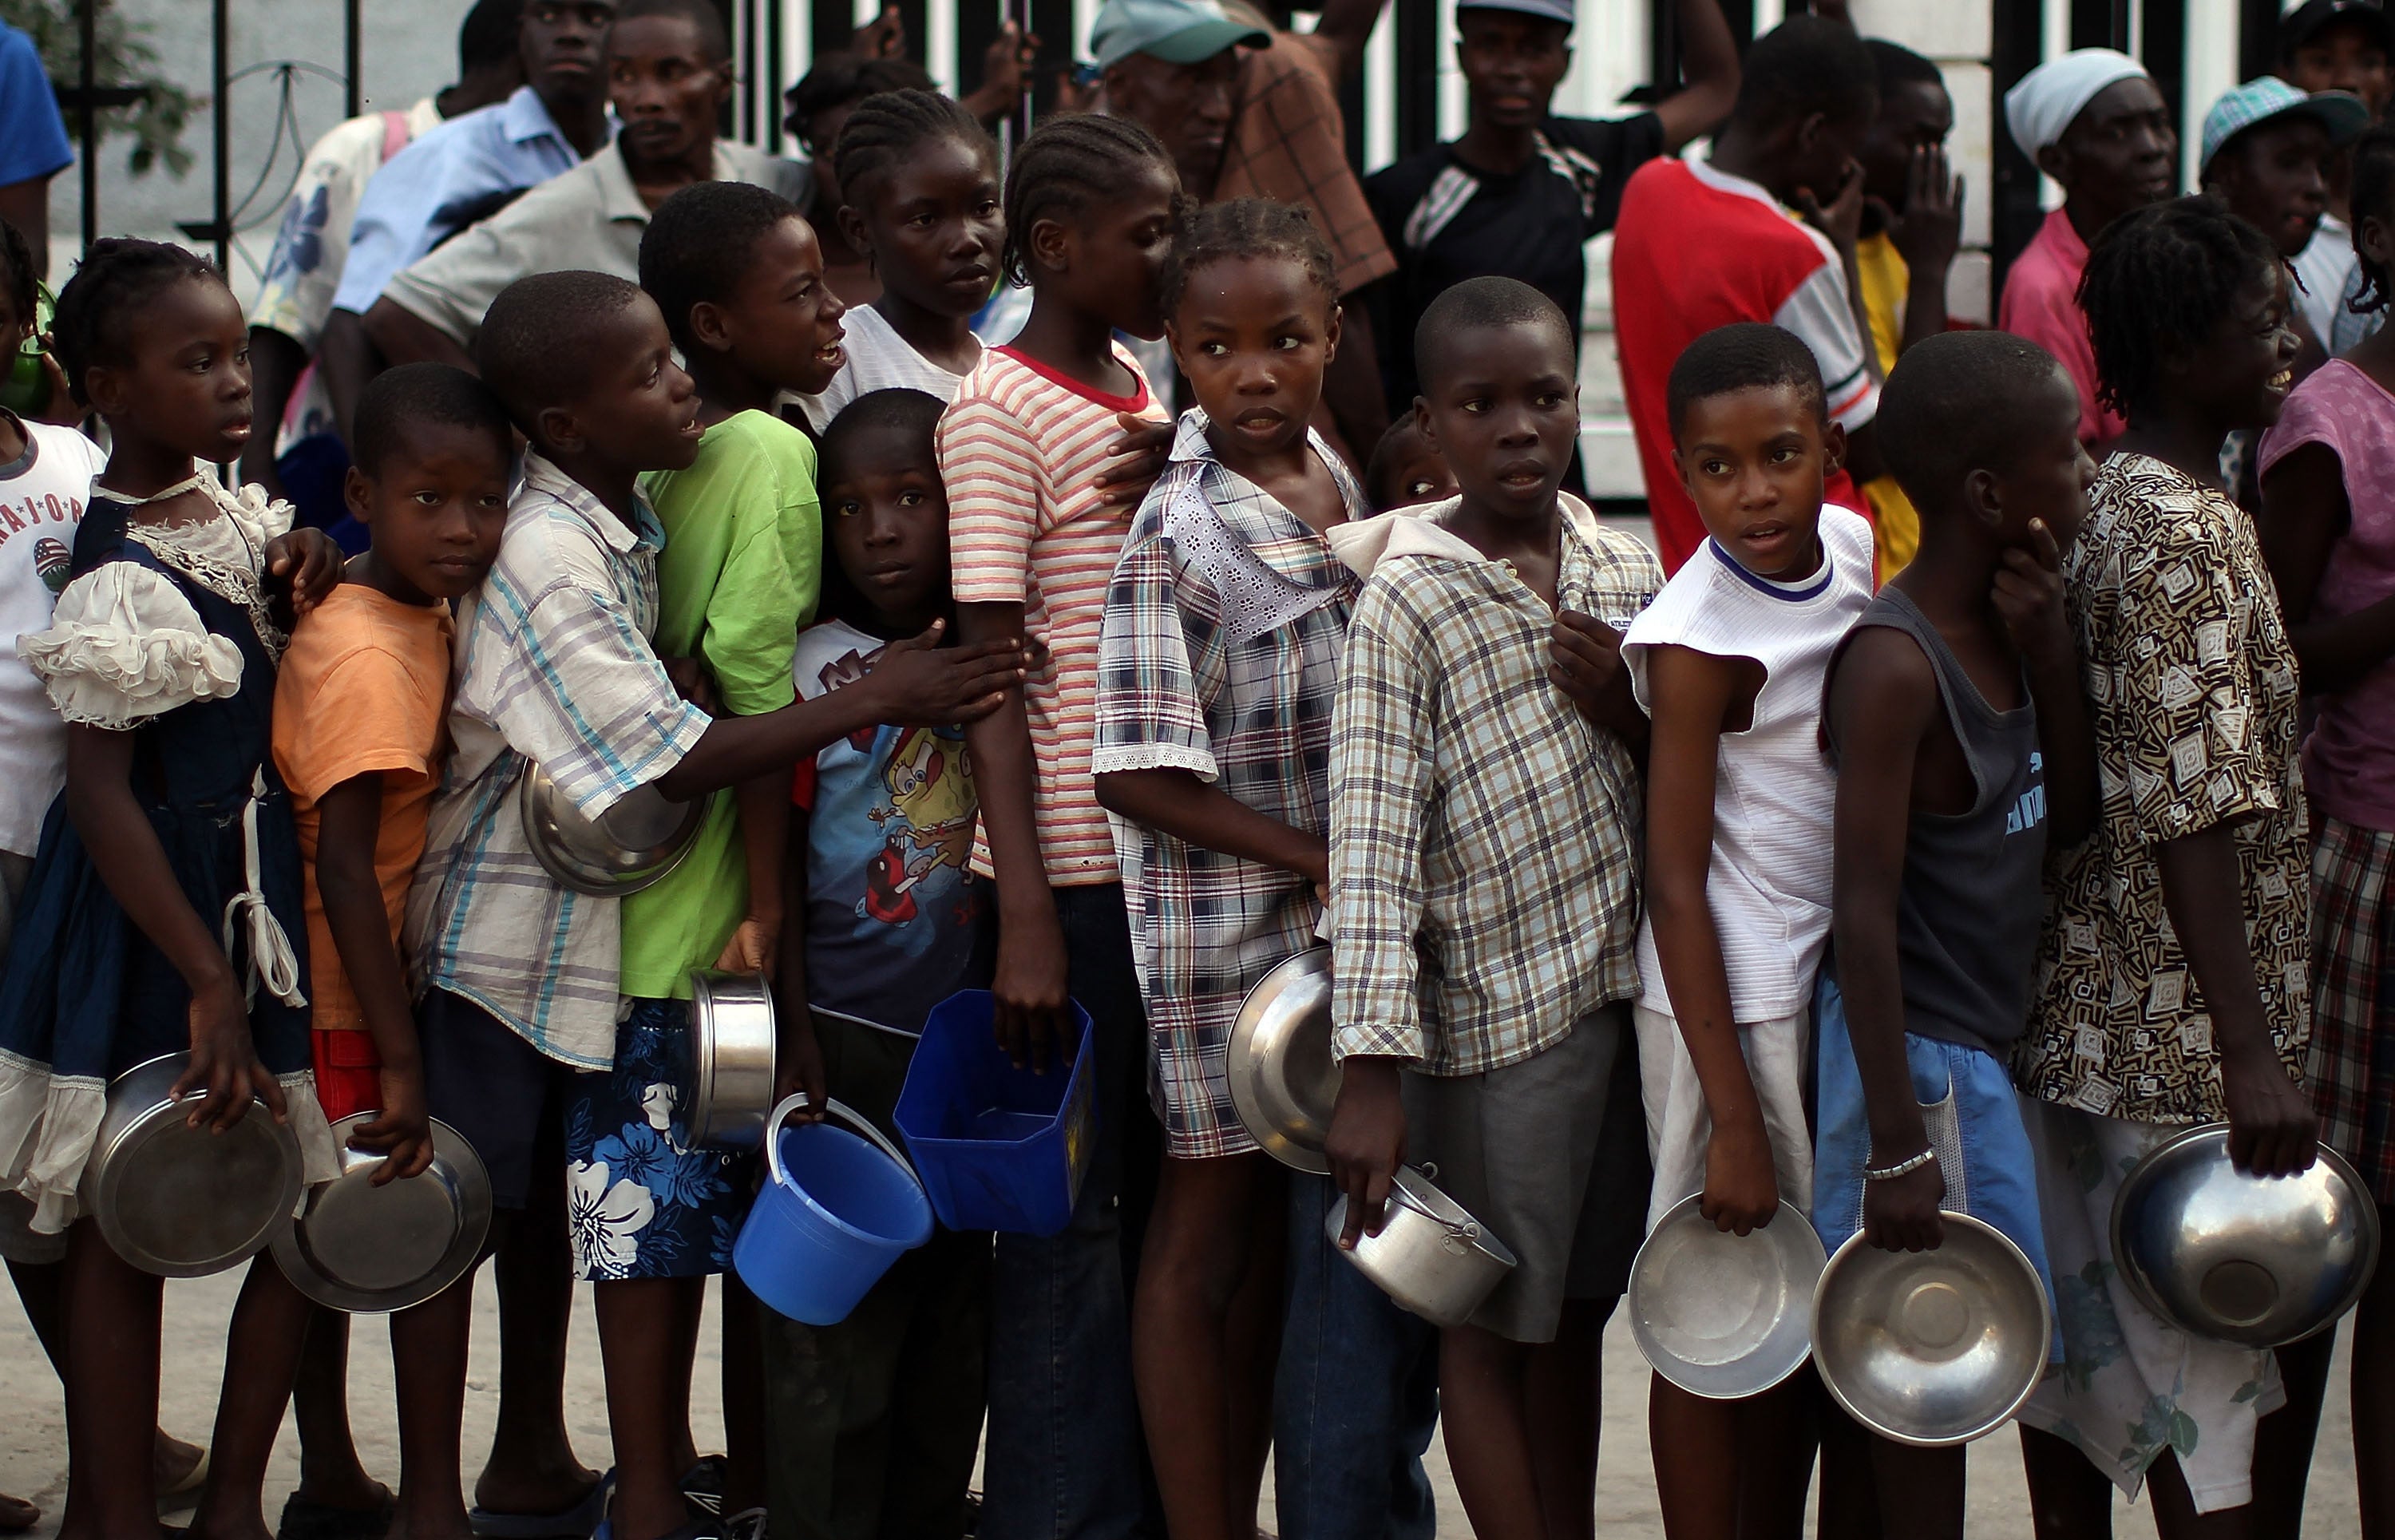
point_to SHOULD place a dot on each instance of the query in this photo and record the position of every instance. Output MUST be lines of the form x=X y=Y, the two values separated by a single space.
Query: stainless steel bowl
x=20 y=1242
x=1284 y=1081
x=1720 y=1315
x=2257 y=1261
x=1932 y=1347
x=364 y=1249
x=185 y=1202
x=630 y=846
x=1431 y=1257
x=731 y=1041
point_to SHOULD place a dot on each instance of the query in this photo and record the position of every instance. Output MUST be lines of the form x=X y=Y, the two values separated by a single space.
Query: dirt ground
x=33 y=1438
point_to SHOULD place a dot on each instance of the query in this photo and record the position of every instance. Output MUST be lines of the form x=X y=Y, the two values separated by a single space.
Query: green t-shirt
x=739 y=575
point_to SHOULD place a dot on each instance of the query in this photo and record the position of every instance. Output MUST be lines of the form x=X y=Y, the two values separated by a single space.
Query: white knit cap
x=2041 y=107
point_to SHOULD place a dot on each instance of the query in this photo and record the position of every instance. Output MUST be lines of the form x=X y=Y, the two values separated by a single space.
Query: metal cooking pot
x=732 y=1042
x=630 y=846
x=1283 y=1081
x=180 y=1201
x=1431 y=1257
x=363 y=1248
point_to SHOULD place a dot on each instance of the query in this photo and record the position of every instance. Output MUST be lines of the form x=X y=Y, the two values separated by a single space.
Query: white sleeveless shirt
x=1768 y=885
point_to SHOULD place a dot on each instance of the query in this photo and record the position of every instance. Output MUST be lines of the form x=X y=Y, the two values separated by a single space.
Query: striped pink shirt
x=1020 y=449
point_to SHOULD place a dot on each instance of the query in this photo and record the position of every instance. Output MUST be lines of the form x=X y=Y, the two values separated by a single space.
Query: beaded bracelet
x=1902 y=1168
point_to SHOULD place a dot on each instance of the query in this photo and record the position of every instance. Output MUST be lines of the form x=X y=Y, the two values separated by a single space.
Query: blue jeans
x=1356 y=1400
x=1065 y=1458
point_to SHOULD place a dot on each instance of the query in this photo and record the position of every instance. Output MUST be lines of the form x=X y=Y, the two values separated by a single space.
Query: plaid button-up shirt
x=1484 y=837
x=555 y=666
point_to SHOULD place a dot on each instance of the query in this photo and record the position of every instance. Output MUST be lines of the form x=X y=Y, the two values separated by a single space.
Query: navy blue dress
x=85 y=992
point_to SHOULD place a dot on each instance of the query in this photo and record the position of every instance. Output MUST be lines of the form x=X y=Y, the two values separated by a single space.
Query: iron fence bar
x=87 y=115
x=352 y=58
x=220 y=39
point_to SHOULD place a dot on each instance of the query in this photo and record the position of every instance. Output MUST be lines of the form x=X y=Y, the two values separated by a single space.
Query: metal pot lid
x=180 y=1201
x=1283 y=1080
x=733 y=1042
x=640 y=839
x=361 y=1248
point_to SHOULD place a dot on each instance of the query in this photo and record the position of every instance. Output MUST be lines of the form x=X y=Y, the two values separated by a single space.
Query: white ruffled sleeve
x=124 y=645
x=261 y=518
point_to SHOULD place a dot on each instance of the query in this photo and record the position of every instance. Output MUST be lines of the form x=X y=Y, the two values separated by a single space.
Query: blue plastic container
x=997 y=1148
x=834 y=1212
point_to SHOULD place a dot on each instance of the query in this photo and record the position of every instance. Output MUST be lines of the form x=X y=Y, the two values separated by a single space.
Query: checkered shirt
x=554 y=667
x=1289 y=143
x=1484 y=837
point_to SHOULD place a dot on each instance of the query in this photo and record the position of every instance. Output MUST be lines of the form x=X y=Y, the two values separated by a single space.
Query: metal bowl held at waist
x=633 y=844
x=182 y=1202
x=1431 y=1257
x=732 y=1041
x=363 y=1248
x=1720 y=1315
x=2260 y=1261
x=1932 y=1347
x=1283 y=1080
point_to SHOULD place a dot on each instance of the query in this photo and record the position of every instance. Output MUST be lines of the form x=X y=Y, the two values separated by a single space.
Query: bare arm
x=404 y=337
x=1709 y=61
x=2304 y=515
x=1883 y=704
x=126 y=853
x=764 y=804
x=1345 y=26
x=26 y=204
x=1693 y=694
x=1180 y=804
x=1030 y=983
x=347 y=361
x=351 y=822
x=274 y=364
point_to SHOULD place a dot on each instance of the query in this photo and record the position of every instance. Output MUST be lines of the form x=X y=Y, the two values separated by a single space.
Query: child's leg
x=2069 y=1499
x=2284 y=1439
x=532 y=1467
x=744 y=1401
x=641 y=1343
x=2175 y=1515
x=691 y=1306
x=270 y=1321
x=1200 y=1245
x=1254 y=1344
x=111 y=1385
x=428 y=1350
x=936 y=1392
x=1924 y=1485
x=1776 y=1435
x=1483 y=1384
x=1695 y=1445
x=2374 y=1397
x=329 y=1472
x=38 y=1290
x=1565 y=1410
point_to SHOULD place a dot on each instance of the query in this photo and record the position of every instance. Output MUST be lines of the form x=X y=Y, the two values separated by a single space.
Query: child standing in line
x=1957 y=696
x=358 y=736
x=2174 y=981
x=1090 y=206
x=523 y=976
x=1730 y=663
x=1217 y=664
x=1405 y=470
x=919 y=177
x=876 y=1421
x=163 y=913
x=1485 y=804
x=740 y=278
x=2328 y=532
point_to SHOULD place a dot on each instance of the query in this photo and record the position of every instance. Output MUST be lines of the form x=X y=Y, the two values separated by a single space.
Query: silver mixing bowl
x=1431 y=1257
x=1932 y=1347
x=1283 y=1080
x=630 y=846
x=1720 y=1315
x=2258 y=1261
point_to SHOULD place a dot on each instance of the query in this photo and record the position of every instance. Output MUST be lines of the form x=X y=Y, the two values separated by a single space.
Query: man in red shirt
x=1701 y=245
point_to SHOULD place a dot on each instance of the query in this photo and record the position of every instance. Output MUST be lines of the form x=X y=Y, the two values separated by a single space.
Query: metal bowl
x=731 y=1041
x=630 y=846
x=1932 y=1347
x=364 y=1249
x=1431 y=1257
x=1724 y=1316
x=2258 y=1261
x=1284 y=1081
x=20 y=1242
x=180 y=1201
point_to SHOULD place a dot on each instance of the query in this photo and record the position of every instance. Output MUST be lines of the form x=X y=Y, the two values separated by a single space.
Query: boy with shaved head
x=1955 y=697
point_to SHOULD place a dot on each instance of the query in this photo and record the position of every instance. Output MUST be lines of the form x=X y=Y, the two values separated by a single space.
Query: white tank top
x=1768 y=885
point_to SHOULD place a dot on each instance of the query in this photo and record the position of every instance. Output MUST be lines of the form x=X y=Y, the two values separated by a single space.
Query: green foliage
x=123 y=57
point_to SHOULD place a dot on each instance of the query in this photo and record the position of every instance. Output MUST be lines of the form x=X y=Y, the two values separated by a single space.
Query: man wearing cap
x=2336 y=45
x=2094 y=121
x=1248 y=112
x=1521 y=191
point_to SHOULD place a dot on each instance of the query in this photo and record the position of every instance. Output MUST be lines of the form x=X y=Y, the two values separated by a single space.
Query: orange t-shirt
x=364 y=688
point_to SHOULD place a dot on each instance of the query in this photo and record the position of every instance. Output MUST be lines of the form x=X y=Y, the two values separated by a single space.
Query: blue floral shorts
x=640 y=1201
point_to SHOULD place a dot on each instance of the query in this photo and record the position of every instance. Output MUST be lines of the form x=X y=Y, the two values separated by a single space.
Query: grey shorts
x=1550 y=1155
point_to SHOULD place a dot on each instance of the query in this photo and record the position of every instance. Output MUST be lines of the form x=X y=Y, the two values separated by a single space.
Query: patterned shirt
x=555 y=666
x=1289 y=143
x=1020 y=449
x=1220 y=656
x=2192 y=684
x=1484 y=855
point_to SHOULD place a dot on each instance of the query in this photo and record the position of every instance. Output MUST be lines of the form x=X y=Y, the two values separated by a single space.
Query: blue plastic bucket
x=997 y=1148
x=836 y=1210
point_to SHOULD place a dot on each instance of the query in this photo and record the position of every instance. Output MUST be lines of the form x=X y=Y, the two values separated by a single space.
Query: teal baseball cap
x=1179 y=31
x=2257 y=101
